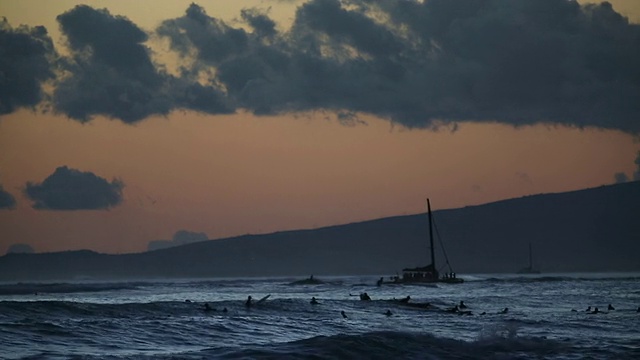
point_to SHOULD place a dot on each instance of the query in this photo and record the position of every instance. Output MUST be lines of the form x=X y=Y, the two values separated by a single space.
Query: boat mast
x=433 y=258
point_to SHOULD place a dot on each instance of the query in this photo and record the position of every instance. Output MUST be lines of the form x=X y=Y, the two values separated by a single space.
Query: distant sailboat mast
x=529 y=269
x=433 y=257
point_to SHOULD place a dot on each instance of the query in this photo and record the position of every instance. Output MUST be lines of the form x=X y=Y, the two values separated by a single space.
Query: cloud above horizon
x=621 y=177
x=418 y=64
x=71 y=189
x=26 y=61
x=7 y=201
x=181 y=237
x=20 y=249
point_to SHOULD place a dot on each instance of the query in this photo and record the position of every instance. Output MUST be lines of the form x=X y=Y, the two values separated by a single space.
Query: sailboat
x=529 y=269
x=428 y=273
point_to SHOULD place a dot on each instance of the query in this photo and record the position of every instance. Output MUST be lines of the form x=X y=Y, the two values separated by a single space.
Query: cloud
x=7 y=201
x=620 y=177
x=111 y=73
x=20 y=249
x=181 y=237
x=420 y=64
x=25 y=63
x=70 y=189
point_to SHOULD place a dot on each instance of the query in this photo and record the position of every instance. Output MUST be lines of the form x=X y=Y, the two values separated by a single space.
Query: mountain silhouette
x=592 y=230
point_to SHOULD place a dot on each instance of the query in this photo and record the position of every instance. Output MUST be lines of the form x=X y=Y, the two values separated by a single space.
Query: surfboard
x=263 y=299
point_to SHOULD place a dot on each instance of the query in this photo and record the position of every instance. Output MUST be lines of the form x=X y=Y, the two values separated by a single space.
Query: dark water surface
x=102 y=320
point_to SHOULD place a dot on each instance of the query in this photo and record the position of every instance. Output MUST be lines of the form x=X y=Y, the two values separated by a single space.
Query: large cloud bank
x=181 y=237
x=416 y=63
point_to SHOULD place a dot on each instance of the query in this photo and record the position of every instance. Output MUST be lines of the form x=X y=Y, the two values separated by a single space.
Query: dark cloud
x=111 y=73
x=25 y=56
x=620 y=178
x=262 y=25
x=7 y=201
x=215 y=40
x=20 y=249
x=70 y=189
x=420 y=64
x=635 y=176
x=181 y=237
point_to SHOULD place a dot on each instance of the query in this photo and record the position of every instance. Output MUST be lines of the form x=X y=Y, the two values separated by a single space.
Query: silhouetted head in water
x=388 y=313
x=224 y=310
x=462 y=305
x=365 y=296
x=504 y=311
x=248 y=302
x=314 y=301
x=406 y=300
x=343 y=314
x=610 y=307
x=588 y=308
x=207 y=307
x=595 y=311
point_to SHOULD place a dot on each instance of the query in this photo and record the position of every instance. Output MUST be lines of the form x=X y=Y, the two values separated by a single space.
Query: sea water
x=546 y=318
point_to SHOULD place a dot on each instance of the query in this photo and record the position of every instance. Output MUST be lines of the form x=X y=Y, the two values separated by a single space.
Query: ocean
x=165 y=319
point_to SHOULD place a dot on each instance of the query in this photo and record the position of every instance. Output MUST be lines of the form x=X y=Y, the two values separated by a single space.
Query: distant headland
x=592 y=230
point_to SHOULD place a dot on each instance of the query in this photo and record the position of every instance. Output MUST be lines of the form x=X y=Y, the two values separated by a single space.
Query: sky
x=128 y=123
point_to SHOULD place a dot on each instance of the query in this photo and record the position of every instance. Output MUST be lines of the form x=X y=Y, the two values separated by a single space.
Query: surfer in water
x=365 y=297
x=453 y=309
x=462 y=305
x=314 y=301
x=610 y=307
x=249 y=301
x=344 y=315
x=405 y=300
x=388 y=313
x=207 y=307
x=504 y=311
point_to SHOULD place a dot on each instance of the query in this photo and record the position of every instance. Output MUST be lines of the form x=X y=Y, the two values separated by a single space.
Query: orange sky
x=237 y=174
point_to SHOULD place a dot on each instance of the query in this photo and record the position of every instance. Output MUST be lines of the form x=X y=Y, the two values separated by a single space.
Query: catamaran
x=428 y=273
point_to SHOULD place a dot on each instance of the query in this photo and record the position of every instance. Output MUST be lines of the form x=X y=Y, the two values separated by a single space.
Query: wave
x=382 y=345
x=51 y=288
x=390 y=345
